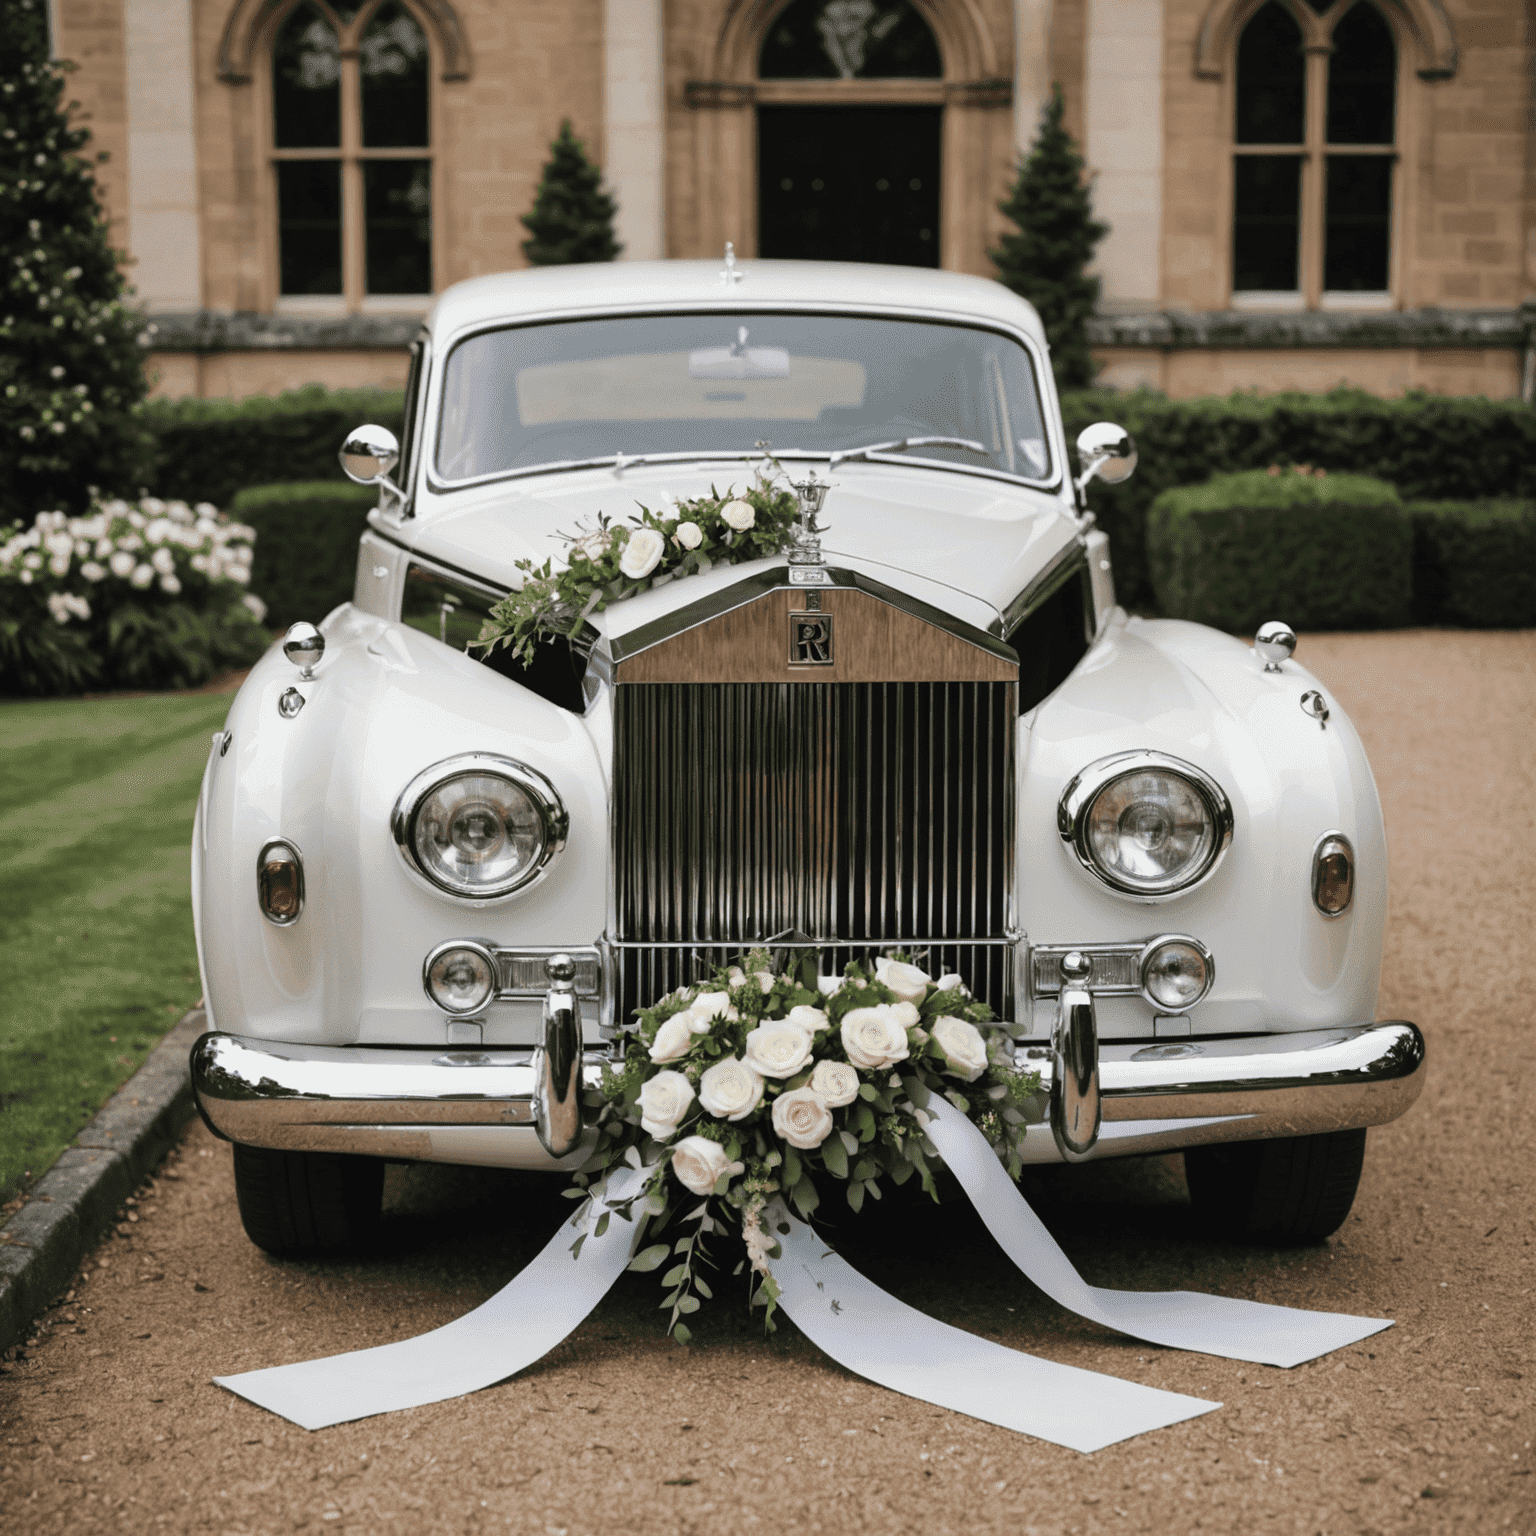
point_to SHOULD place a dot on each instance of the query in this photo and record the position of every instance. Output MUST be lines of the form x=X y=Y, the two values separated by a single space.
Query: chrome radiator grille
x=849 y=817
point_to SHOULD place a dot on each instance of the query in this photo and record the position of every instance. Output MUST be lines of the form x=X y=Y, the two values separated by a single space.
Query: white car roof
x=763 y=284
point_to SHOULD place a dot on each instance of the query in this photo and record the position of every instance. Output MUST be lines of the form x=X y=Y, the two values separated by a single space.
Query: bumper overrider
x=522 y=1107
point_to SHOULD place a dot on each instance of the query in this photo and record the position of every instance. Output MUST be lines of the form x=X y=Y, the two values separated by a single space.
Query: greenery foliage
x=1431 y=447
x=572 y=217
x=96 y=802
x=306 y=544
x=1046 y=262
x=1474 y=563
x=71 y=363
x=208 y=450
x=1320 y=551
x=134 y=595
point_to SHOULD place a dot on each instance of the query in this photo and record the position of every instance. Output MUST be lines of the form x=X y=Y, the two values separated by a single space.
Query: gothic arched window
x=1314 y=154
x=849 y=40
x=351 y=141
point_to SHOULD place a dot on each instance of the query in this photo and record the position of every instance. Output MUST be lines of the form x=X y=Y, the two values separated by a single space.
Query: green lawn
x=96 y=953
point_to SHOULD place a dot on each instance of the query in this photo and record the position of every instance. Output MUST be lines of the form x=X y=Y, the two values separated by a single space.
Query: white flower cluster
x=148 y=543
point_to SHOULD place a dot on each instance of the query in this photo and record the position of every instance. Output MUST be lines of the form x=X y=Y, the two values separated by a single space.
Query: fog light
x=280 y=883
x=1176 y=972
x=1333 y=875
x=460 y=977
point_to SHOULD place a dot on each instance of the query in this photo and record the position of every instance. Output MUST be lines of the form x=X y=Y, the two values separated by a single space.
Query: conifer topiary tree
x=572 y=217
x=71 y=366
x=1046 y=261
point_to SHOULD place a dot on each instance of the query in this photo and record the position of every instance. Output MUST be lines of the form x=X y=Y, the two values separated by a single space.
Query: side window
x=439 y=605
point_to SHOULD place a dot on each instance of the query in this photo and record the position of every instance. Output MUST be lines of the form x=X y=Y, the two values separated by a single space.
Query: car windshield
x=534 y=395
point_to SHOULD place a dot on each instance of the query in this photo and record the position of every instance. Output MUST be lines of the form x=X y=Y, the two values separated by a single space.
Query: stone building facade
x=1299 y=192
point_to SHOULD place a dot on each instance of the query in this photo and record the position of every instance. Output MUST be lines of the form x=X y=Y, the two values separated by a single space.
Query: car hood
x=967 y=544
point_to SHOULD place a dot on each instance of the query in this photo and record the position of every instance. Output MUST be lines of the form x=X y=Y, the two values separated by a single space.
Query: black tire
x=1294 y=1190
x=311 y=1204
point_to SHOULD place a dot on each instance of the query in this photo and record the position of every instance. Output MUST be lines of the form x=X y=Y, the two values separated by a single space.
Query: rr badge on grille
x=810 y=639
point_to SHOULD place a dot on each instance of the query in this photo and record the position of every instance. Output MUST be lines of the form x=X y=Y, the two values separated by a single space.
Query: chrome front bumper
x=478 y=1106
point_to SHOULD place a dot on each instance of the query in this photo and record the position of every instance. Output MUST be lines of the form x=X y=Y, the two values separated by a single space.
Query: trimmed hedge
x=1320 y=553
x=306 y=544
x=1431 y=447
x=1474 y=563
x=212 y=449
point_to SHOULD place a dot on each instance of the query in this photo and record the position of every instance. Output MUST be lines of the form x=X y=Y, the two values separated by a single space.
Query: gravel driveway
x=111 y=1421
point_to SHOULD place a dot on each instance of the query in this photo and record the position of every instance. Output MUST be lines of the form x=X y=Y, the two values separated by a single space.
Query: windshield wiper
x=901 y=444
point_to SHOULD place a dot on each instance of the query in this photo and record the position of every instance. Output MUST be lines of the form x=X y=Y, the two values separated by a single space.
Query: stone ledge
x=207 y=330
x=1168 y=331
x=41 y=1246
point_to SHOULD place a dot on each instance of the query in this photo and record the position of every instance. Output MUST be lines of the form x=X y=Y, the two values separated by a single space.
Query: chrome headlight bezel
x=481 y=951
x=1077 y=801
x=553 y=818
x=1144 y=961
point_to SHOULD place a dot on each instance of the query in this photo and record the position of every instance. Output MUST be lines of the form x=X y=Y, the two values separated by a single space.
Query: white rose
x=93 y=572
x=836 y=1082
x=737 y=976
x=739 y=514
x=802 y=1118
x=170 y=584
x=121 y=563
x=698 y=1162
x=730 y=1090
x=778 y=1048
x=689 y=535
x=142 y=575
x=811 y=1020
x=965 y=1052
x=673 y=1038
x=906 y=981
x=163 y=561
x=642 y=554
x=873 y=1038
x=664 y=1100
x=765 y=981
x=905 y=1014
x=59 y=565
x=709 y=1005
x=952 y=983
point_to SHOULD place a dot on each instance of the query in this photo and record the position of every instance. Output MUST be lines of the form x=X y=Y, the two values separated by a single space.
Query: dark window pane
x=309 y=225
x=397 y=207
x=1359 y=223
x=1271 y=80
x=849 y=40
x=1362 y=80
x=306 y=90
x=394 y=63
x=1266 y=222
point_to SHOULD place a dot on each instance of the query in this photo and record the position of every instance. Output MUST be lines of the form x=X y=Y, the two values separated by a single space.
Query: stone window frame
x=245 y=58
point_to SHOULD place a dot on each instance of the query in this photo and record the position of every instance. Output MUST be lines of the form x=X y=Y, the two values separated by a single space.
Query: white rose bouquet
x=756 y=1086
x=614 y=561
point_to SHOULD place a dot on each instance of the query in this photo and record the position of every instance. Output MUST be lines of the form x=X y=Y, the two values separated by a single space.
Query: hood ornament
x=812 y=493
x=730 y=273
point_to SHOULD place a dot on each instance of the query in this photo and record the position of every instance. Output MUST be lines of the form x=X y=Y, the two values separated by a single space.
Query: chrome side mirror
x=368 y=456
x=1106 y=451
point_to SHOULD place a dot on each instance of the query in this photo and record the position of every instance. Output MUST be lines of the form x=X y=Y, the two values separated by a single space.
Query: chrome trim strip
x=702 y=610
x=1079 y=795
x=1043 y=584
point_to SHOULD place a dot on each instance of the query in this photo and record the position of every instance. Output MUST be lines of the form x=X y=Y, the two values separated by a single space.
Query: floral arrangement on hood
x=616 y=560
x=756 y=1087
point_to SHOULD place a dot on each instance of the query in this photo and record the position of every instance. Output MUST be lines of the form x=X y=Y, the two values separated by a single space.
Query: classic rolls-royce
x=433 y=882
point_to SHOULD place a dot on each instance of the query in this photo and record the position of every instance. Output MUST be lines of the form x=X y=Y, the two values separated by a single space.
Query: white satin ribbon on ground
x=1208 y=1325
x=869 y=1332
x=541 y=1305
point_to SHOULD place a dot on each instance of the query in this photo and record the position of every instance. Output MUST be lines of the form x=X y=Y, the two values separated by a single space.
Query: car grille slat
x=850 y=817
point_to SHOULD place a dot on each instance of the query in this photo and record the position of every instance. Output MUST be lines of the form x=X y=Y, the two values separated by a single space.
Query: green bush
x=1431 y=447
x=306 y=544
x=1320 y=552
x=212 y=449
x=1474 y=563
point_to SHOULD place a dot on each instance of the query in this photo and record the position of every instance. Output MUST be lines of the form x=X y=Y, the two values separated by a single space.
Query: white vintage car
x=431 y=889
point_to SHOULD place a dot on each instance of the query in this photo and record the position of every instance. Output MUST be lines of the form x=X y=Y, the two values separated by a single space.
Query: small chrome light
x=1176 y=972
x=280 y=883
x=460 y=976
x=304 y=645
x=1274 y=643
x=1333 y=874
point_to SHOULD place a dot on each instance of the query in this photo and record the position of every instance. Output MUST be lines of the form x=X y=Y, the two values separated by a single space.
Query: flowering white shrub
x=152 y=591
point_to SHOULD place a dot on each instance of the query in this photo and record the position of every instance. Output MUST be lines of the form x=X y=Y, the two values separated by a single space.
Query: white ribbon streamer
x=869 y=1332
x=539 y=1307
x=1208 y=1325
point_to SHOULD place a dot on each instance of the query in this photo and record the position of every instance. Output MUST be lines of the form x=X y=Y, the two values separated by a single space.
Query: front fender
x=1204 y=696
x=386 y=702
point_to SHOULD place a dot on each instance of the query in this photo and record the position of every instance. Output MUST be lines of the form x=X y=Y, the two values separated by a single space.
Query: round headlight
x=460 y=977
x=1176 y=972
x=1146 y=824
x=480 y=826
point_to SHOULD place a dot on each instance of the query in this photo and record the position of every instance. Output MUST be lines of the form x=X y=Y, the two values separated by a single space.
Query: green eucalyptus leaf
x=834 y=1157
x=856 y=1195
x=688 y=1304
x=681 y=1334
x=649 y=1258
x=675 y=1275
